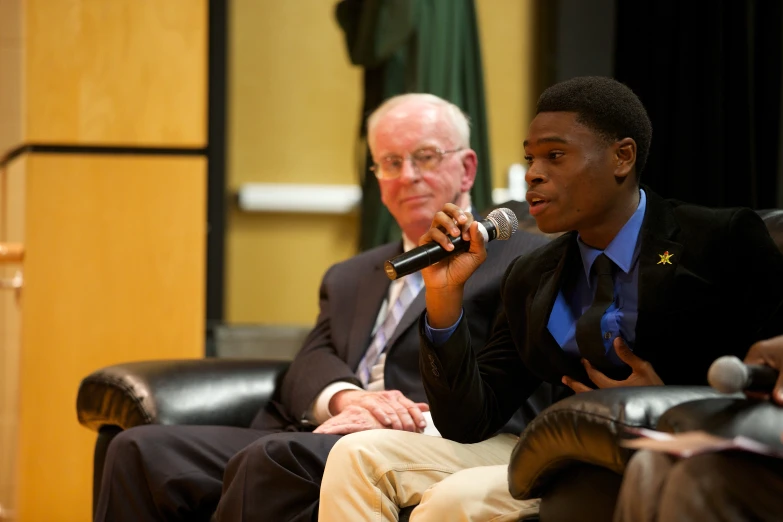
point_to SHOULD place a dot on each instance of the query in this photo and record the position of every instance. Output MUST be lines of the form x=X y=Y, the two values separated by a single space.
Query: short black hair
x=606 y=106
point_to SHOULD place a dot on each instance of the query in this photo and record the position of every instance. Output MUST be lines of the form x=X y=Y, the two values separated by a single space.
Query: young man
x=641 y=291
x=358 y=368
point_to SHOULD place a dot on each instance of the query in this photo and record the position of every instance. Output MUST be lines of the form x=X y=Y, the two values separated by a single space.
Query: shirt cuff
x=320 y=413
x=438 y=336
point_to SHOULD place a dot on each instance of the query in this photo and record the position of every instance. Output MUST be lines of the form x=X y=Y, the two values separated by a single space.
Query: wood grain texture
x=114 y=271
x=12 y=190
x=11 y=75
x=124 y=72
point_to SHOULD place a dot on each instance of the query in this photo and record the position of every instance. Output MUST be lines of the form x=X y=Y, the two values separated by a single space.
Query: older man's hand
x=390 y=408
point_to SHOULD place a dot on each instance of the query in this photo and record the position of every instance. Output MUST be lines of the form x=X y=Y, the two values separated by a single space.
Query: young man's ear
x=625 y=156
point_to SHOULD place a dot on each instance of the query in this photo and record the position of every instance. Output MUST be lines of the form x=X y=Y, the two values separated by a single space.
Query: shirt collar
x=407 y=244
x=624 y=248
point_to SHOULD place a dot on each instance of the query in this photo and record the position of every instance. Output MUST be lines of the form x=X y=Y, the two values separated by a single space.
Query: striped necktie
x=411 y=285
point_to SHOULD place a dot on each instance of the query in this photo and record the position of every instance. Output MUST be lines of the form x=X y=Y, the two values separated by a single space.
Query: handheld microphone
x=500 y=224
x=728 y=374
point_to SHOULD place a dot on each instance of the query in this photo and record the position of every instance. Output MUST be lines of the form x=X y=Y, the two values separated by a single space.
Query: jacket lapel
x=659 y=256
x=659 y=259
x=374 y=287
x=550 y=283
x=410 y=316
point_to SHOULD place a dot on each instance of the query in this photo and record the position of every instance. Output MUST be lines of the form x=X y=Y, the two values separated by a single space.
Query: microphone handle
x=430 y=253
x=761 y=378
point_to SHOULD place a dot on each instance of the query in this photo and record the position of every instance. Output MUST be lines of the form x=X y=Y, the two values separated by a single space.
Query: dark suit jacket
x=351 y=295
x=722 y=291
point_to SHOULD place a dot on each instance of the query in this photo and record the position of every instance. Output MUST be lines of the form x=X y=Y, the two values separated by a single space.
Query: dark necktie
x=589 y=337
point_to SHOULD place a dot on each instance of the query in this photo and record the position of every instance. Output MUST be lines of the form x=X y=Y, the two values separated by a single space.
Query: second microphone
x=500 y=224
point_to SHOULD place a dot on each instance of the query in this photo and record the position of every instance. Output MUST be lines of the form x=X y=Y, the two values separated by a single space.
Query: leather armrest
x=727 y=417
x=586 y=428
x=227 y=392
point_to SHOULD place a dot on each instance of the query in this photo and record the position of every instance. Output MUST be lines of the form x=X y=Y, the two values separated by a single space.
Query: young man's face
x=570 y=176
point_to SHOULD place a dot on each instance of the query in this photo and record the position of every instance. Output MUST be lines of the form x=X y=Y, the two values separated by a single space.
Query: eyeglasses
x=422 y=160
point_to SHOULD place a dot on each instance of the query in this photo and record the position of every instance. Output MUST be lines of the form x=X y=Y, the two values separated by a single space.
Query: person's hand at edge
x=768 y=352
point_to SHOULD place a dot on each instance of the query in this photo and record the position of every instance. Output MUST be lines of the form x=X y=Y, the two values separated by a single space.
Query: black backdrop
x=709 y=74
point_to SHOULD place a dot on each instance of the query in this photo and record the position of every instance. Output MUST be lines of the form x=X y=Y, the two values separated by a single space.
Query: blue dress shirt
x=620 y=317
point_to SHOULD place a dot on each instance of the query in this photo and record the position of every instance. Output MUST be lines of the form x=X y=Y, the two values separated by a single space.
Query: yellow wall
x=507 y=32
x=294 y=102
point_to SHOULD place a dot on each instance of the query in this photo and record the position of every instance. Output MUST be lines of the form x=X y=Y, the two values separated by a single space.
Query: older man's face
x=417 y=194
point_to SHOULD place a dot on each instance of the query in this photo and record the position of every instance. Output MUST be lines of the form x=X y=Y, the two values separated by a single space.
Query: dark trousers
x=725 y=487
x=276 y=478
x=167 y=473
x=177 y=473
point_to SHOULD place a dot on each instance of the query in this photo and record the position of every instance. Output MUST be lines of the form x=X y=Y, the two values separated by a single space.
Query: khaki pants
x=371 y=475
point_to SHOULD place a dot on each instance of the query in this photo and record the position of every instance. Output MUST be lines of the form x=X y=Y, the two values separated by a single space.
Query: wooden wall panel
x=122 y=72
x=12 y=191
x=114 y=271
x=11 y=75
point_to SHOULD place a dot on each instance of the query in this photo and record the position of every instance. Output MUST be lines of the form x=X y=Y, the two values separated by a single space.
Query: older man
x=358 y=369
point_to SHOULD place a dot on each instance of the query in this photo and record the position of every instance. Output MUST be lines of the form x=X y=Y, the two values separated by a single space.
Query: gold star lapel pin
x=665 y=258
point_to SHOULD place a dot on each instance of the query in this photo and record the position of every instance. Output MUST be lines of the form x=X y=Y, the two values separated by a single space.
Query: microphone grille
x=727 y=374
x=505 y=222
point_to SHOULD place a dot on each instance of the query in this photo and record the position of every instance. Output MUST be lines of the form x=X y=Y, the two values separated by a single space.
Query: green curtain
x=415 y=46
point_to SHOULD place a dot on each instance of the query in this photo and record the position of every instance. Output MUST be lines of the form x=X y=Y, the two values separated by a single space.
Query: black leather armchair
x=223 y=392
x=570 y=456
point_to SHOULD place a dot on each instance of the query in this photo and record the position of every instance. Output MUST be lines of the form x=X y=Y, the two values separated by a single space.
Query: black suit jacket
x=351 y=295
x=722 y=292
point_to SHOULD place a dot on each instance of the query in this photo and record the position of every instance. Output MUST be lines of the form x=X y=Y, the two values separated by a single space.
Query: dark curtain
x=709 y=74
x=405 y=46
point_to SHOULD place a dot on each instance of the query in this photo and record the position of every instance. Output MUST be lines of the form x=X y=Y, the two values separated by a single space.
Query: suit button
x=608 y=335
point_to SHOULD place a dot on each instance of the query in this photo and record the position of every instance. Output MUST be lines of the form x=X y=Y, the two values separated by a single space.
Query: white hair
x=458 y=120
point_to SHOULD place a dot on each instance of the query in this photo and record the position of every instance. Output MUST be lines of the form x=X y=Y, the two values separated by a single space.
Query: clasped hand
x=642 y=373
x=448 y=223
x=359 y=410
